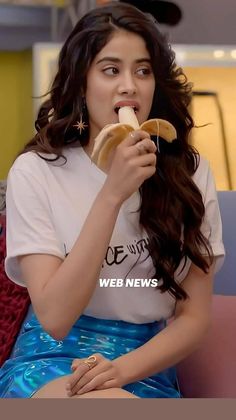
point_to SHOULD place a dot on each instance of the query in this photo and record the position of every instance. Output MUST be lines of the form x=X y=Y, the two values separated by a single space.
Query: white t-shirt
x=47 y=204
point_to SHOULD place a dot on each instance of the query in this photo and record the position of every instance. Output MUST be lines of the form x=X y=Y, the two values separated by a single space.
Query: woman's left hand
x=105 y=374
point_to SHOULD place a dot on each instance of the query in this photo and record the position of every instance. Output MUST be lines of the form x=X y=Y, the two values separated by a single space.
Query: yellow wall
x=15 y=105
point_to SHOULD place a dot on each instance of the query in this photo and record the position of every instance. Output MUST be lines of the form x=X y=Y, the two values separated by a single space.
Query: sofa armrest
x=210 y=372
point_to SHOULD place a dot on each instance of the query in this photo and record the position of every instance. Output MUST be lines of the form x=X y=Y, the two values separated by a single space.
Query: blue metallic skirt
x=37 y=358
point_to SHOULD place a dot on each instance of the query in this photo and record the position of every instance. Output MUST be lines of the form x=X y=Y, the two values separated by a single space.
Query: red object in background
x=14 y=302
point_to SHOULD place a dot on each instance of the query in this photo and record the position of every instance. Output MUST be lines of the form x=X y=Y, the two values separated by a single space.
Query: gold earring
x=80 y=125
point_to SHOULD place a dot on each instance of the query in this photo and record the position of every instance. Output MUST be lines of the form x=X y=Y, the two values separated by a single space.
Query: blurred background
x=203 y=36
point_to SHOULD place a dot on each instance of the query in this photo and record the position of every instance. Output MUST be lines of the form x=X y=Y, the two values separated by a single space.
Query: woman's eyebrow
x=118 y=60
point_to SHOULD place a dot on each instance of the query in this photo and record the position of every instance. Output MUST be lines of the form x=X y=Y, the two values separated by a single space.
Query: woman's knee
x=107 y=393
x=57 y=389
x=53 y=389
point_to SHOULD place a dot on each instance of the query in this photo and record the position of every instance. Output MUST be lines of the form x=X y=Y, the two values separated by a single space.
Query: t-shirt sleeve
x=212 y=224
x=30 y=228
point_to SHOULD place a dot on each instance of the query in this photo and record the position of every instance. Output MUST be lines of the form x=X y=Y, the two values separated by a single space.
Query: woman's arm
x=60 y=290
x=180 y=338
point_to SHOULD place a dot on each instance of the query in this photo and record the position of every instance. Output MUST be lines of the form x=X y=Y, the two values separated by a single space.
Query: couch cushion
x=14 y=302
x=210 y=372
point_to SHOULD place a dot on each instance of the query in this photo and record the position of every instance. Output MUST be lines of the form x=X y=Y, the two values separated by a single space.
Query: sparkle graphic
x=80 y=125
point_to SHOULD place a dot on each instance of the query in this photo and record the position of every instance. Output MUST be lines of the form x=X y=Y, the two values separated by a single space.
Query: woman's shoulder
x=40 y=167
x=28 y=161
x=32 y=160
x=26 y=170
x=204 y=177
x=202 y=172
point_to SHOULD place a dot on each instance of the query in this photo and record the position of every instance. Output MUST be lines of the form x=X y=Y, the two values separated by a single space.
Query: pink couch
x=210 y=372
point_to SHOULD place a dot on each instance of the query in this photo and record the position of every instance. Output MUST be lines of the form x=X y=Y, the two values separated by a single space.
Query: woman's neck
x=88 y=148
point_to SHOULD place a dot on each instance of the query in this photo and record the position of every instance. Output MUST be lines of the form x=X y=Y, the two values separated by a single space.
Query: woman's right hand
x=133 y=161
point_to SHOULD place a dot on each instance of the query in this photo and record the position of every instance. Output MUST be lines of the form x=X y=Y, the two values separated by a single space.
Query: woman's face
x=121 y=71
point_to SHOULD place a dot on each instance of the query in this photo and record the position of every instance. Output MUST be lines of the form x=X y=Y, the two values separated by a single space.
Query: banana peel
x=113 y=134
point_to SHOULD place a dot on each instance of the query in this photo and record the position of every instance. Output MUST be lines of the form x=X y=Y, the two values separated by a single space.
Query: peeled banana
x=113 y=134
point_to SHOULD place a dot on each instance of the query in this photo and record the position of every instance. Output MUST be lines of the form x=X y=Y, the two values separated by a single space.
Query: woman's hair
x=172 y=208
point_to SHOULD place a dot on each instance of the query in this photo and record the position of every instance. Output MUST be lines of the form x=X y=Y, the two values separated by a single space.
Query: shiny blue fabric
x=38 y=359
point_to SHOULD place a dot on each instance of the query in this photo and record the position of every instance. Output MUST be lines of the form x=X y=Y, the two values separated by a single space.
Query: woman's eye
x=144 y=71
x=110 y=71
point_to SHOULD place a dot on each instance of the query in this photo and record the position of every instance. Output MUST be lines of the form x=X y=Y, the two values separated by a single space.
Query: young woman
x=153 y=215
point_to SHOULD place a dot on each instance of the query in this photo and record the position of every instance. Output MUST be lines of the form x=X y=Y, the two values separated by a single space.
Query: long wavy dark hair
x=172 y=208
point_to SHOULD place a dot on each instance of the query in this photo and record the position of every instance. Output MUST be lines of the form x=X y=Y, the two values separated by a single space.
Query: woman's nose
x=127 y=85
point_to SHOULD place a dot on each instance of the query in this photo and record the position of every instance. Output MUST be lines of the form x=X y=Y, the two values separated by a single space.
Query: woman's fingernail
x=68 y=387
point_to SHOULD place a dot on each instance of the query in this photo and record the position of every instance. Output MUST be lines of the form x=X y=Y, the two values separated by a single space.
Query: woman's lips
x=133 y=104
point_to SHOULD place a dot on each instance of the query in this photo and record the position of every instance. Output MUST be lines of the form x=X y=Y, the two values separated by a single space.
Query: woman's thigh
x=57 y=389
